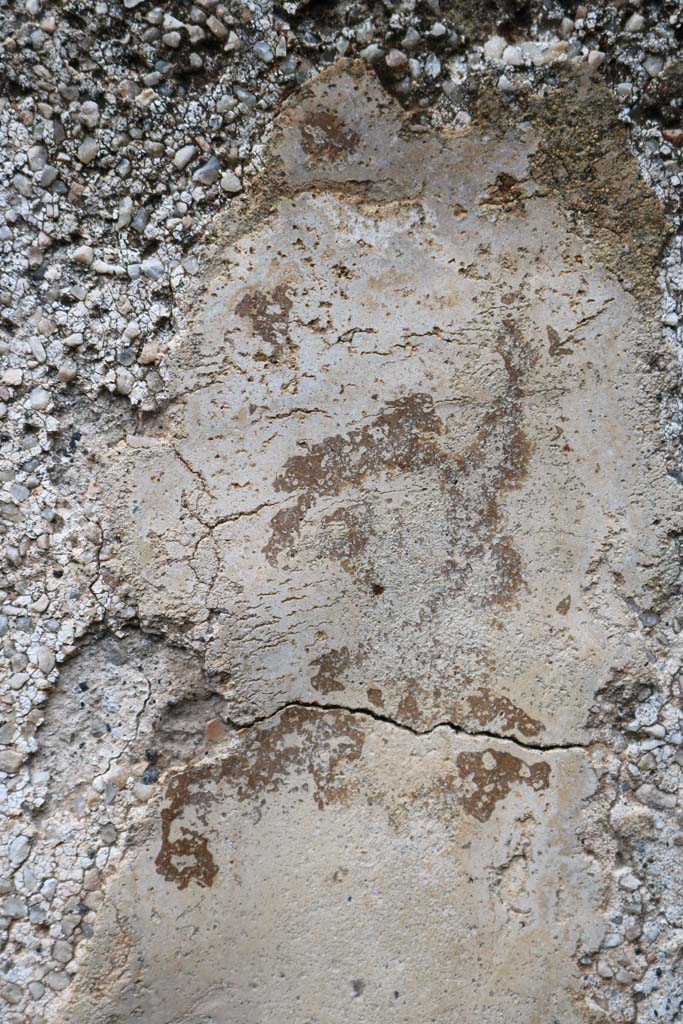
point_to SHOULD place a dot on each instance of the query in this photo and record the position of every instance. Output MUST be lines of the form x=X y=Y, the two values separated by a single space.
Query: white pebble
x=494 y=47
x=512 y=55
x=12 y=377
x=636 y=23
x=183 y=156
x=87 y=151
x=39 y=398
x=230 y=182
x=84 y=254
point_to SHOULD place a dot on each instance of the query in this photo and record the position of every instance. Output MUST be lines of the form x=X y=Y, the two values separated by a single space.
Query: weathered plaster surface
x=327 y=867
x=398 y=520
x=403 y=465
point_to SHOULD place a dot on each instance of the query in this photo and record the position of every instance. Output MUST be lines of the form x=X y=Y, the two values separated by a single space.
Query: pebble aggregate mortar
x=125 y=128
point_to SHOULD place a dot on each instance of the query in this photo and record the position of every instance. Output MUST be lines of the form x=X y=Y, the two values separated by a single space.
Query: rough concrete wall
x=342 y=637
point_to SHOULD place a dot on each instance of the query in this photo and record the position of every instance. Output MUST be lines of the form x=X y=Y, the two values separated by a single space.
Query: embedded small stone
x=153 y=268
x=263 y=52
x=209 y=172
x=635 y=23
x=87 y=151
x=411 y=39
x=595 y=58
x=67 y=371
x=84 y=254
x=125 y=213
x=109 y=834
x=184 y=156
x=89 y=114
x=11 y=993
x=45 y=659
x=217 y=27
x=149 y=353
x=124 y=381
x=629 y=882
x=230 y=182
x=654 y=797
x=39 y=398
x=57 y=980
x=432 y=66
x=14 y=907
x=48 y=176
x=13 y=377
x=62 y=951
x=37 y=158
x=513 y=55
x=396 y=60
x=19 y=849
x=494 y=48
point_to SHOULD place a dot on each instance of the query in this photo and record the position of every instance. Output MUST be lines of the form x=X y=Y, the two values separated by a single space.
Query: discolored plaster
x=401 y=505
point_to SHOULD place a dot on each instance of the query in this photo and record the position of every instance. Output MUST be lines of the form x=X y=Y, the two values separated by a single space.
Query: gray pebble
x=209 y=172
x=87 y=151
x=263 y=52
x=183 y=156
x=37 y=157
x=230 y=182
x=152 y=268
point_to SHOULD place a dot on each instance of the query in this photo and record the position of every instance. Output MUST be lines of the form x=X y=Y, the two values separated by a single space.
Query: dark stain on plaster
x=601 y=184
x=313 y=751
x=268 y=313
x=325 y=137
x=490 y=775
x=330 y=667
x=406 y=438
x=301 y=741
x=499 y=714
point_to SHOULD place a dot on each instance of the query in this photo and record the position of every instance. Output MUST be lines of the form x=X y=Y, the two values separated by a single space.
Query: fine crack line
x=387 y=720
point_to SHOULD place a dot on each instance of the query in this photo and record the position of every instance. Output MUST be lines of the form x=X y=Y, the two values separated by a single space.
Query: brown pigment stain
x=319 y=745
x=331 y=666
x=399 y=439
x=269 y=316
x=557 y=347
x=505 y=195
x=346 y=536
x=500 y=456
x=492 y=711
x=324 y=136
x=404 y=438
x=489 y=777
x=409 y=708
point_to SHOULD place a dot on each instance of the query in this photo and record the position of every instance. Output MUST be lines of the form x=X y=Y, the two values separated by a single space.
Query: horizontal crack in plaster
x=387 y=720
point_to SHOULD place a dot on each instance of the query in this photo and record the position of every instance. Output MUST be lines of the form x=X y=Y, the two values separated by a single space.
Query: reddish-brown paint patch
x=324 y=136
x=399 y=439
x=404 y=438
x=303 y=741
x=500 y=714
x=331 y=666
x=504 y=195
x=490 y=775
x=346 y=535
x=269 y=316
x=557 y=347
